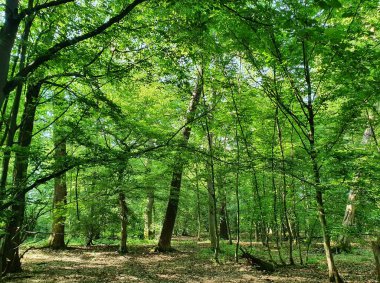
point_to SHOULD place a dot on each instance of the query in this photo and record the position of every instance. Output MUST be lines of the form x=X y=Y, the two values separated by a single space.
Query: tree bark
x=57 y=239
x=344 y=242
x=223 y=224
x=8 y=35
x=276 y=229
x=237 y=181
x=332 y=269
x=198 y=205
x=284 y=192
x=149 y=232
x=10 y=259
x=164 y=243
x=349 y=215
x=211 y=212
x=12 y=126
x=124 y=222
x=376 y=253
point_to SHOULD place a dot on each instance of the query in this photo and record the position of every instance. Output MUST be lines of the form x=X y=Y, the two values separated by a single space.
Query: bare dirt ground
x=104 y=264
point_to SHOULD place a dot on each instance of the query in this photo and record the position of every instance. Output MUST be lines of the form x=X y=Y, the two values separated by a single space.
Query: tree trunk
x=10 y=259
x=344 y=242
x=198 y=205
x=276 y=229
x=349 y=215
x=376 y=253
x=223 y=220
x=12 y=124
x=8 y=35
x=164 y=243
x=149 y=232
x=57 y=239
x=211 y=213
x=333 y=271
x=237 y=194
x=123 y=222
x=284 y=192
x=214 y=233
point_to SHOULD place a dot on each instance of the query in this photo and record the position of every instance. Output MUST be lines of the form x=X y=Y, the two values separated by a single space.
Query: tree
x=57 y=239
x=164 y=243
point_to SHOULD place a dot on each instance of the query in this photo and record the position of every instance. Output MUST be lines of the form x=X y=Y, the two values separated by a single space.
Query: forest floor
x=191 y=263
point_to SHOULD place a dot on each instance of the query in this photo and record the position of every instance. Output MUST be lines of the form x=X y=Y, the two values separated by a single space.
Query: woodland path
x=191 y=264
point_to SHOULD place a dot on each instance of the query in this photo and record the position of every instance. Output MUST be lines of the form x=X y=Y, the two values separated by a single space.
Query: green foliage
x=119 y=100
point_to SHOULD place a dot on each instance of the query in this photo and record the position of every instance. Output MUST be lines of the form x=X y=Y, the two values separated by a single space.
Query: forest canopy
x=234 y=122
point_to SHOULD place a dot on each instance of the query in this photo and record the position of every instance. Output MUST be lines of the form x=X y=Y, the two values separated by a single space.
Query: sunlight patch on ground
x=104 y=264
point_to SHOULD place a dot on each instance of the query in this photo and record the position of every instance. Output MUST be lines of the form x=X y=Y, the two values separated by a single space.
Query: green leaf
x=334 y=4
x=323 y=4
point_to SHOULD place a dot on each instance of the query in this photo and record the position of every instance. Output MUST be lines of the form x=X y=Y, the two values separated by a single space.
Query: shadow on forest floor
x=191 y=263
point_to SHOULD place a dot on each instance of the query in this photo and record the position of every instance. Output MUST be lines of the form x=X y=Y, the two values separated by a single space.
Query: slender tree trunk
x=123 y=222
x=198 y=204
x=294 y=201
x=149 y=232
x=57 y=239
x=10 y=259
x=332 y=269
x=214 y=235
x=164 y=243
x=223 y=219
x=211 y=212
x=237 y=193
x=276 y=228
x=284 y=192
x=262 y=224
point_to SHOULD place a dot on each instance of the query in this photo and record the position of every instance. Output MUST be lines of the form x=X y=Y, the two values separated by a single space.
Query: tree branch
x=29 y=11
x=51 y=52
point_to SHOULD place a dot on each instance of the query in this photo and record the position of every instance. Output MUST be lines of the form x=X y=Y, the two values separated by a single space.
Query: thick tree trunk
x=57 y=239
x=149 y=232
x=12 y=124
x=10 y=246
x=376 y=253
x=8 y=35
x=164 y=243
x=123 y=222
x=10 y=259
x=344 y=242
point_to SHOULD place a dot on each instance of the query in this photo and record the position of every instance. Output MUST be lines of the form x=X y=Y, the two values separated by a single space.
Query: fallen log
x=256 y=262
